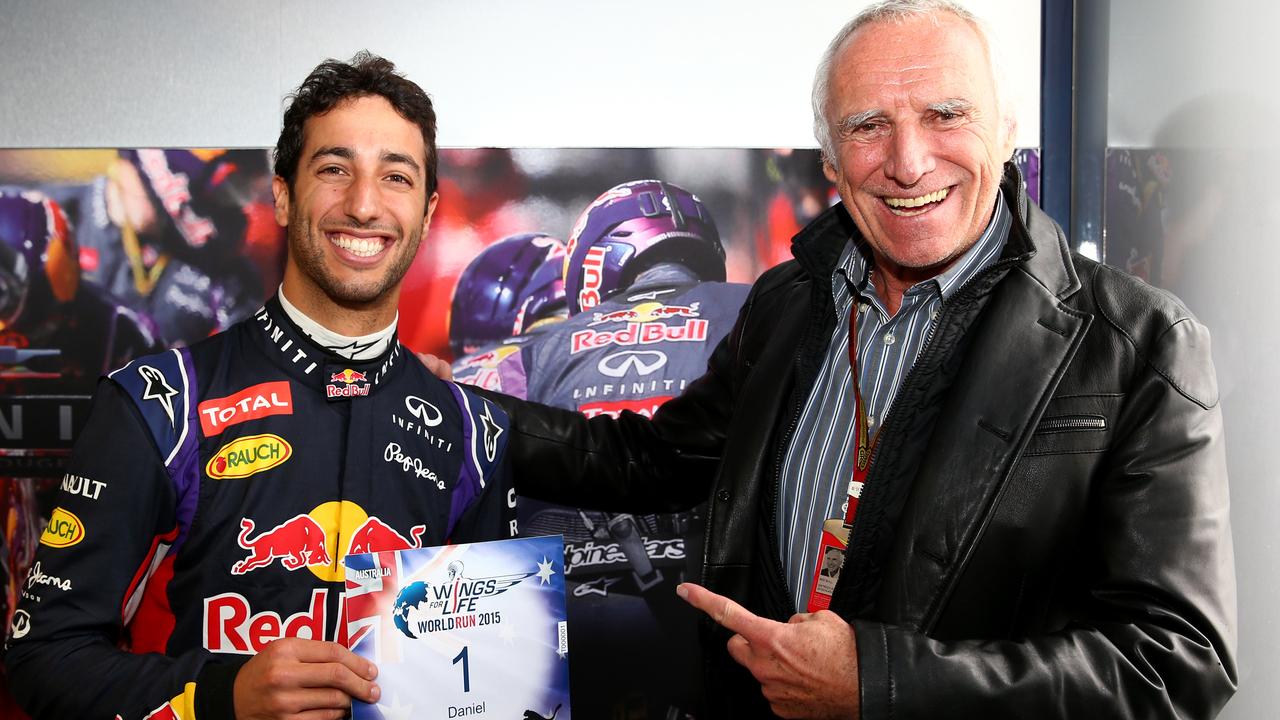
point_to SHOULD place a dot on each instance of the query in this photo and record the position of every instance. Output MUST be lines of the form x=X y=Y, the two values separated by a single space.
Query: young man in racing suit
x=216 y=488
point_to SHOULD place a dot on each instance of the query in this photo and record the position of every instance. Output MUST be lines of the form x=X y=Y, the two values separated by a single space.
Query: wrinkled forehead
x=929 y=58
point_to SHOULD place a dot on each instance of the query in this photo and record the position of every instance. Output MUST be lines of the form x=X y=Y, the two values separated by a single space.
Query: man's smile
x=911 y=206
x=362 y=245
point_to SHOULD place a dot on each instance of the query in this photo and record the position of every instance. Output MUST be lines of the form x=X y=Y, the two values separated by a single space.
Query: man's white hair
x=894 y=11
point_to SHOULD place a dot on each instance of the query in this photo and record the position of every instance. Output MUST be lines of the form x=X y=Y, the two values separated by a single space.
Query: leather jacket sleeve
x=1151 y=634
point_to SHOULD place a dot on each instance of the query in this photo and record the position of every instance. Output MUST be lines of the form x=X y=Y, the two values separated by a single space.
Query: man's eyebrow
x=346 y=153
x=401 y=158
x=335 y=150
x=952 y=106
x=852 y=122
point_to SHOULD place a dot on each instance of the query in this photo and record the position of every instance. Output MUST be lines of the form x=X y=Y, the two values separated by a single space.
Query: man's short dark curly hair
x=334 y=81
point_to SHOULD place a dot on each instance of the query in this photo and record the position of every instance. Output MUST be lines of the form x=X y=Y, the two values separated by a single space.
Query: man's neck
x=353 y=347
x=351 y=321
x=893 y=281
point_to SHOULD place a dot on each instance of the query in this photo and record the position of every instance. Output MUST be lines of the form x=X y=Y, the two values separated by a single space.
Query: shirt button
x=723 y=496
x=862 y=307
x=890 y=339
x=871 y=420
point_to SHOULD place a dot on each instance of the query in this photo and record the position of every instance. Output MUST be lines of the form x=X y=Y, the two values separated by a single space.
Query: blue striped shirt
x=818 y=463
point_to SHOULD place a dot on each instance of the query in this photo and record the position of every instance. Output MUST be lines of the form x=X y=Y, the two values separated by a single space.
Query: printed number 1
x=466 y=669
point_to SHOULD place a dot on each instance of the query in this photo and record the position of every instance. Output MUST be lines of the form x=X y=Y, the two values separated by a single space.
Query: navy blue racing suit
x=210 y=500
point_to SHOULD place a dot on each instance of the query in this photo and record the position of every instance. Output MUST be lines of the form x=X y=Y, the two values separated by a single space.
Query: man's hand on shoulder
x=436 y=366
x=807 y=667
x=308 y=678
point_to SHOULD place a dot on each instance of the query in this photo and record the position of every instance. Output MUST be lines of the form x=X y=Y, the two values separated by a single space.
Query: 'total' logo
x=252 y=403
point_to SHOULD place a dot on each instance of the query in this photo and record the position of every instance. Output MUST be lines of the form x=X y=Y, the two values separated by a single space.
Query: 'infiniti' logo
x=641 y=362
x=427 y=413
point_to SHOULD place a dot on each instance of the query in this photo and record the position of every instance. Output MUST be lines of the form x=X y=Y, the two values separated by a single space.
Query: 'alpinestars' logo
x=491 y=432
x=158 y=389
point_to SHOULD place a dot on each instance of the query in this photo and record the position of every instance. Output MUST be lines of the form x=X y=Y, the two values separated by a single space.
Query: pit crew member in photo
x=57 y=332
x=193 y=564
x=509 y=294
x=648 y=303
x=163 y=230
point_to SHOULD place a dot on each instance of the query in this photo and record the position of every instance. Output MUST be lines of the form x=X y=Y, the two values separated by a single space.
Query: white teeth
x=916 y=202
x=360 y=247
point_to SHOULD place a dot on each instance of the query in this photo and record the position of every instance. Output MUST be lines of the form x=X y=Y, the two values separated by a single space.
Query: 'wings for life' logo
x=247 y=456
x=251 y=403
x=452 y=602
x=64 y=529
x=158 y=389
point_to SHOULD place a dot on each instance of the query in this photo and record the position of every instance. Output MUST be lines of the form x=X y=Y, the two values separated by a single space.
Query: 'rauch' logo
x=64 y=529
x=247 y=456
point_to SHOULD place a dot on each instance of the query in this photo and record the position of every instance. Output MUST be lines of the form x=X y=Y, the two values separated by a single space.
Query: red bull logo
x=647 y=312
x=311 y=539
x=592 y=278
x=247 y=456
x=348 y=376
x=296 y=542
x=347 y=384
x=639 y=333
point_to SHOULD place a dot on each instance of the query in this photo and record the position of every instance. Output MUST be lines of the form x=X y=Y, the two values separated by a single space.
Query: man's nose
x=363 y=203
x=910 y=155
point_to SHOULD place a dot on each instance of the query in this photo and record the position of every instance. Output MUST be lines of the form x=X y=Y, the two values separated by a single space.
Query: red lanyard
x=865 y=444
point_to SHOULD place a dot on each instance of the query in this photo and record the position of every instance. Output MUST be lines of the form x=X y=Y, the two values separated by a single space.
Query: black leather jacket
x=1044 y=533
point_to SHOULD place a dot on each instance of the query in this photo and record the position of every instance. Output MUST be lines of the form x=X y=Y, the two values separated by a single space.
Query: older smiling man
x=1018 y=450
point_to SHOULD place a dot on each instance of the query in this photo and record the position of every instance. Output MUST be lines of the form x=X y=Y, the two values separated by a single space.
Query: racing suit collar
x=308 y=363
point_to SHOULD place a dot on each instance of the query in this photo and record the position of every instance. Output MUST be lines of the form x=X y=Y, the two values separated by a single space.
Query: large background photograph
x=109 y=254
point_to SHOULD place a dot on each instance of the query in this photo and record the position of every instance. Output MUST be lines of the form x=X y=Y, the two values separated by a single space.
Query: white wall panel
x=503 y=72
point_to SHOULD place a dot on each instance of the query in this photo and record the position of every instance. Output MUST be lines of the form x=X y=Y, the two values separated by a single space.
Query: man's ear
x=1010 y=139
x=829 y=169
x=431 y=208
x=280 y=190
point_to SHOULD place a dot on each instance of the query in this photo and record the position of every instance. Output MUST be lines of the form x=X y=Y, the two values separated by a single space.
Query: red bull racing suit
x=210 y=500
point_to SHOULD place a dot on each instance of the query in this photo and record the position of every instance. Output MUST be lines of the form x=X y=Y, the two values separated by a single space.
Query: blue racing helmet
x=510 y=285
x=632 y=227
x=39 y=260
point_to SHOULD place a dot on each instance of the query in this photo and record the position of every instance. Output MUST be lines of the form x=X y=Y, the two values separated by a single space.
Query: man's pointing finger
x=726 y=612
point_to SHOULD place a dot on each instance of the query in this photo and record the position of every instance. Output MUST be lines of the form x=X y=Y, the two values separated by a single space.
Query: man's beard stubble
x=307 y=250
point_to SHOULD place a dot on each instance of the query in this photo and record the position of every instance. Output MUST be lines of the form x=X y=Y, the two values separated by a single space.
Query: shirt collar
x=855 y=260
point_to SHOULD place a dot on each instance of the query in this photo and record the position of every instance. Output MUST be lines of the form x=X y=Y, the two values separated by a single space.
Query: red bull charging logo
x=346 y=384
x=311 y=540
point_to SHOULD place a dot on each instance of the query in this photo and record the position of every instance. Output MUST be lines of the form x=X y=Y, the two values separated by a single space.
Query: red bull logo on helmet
x=592 y=278
x=247 y=456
